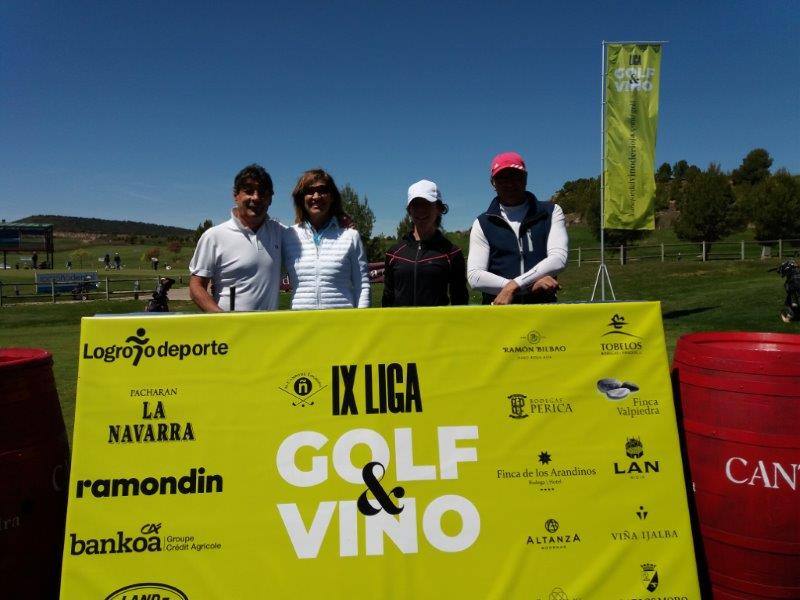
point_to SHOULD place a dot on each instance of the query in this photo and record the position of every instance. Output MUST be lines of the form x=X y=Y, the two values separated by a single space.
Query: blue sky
x=145 y=110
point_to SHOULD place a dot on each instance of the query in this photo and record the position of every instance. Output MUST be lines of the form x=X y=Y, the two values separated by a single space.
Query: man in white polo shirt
x=242 y=253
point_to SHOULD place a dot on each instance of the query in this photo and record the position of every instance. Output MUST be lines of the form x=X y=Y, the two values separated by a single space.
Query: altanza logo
x=139 y=346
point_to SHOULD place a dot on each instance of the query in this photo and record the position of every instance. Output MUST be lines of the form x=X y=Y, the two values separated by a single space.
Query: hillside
x=64 y=224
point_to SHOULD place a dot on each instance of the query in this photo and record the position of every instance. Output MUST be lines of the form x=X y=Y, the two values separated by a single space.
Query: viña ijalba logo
x=139 y=346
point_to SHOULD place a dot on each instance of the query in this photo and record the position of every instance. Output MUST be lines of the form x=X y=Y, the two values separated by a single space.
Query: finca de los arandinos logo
x=139 y=346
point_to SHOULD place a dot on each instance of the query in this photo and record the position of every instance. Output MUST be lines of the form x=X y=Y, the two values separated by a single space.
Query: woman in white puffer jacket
x=326 y=262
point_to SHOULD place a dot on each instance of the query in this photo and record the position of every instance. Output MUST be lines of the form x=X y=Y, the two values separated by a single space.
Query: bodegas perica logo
x=139 y=346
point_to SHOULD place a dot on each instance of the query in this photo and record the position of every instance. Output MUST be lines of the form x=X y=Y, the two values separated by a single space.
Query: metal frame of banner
x=602 y=271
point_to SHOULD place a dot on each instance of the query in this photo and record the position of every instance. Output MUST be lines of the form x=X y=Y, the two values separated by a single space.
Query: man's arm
x=198 y=291
x=478 y=261
x=557 y=252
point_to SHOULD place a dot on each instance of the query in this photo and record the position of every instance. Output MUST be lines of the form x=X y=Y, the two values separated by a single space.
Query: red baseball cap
x=507 y=160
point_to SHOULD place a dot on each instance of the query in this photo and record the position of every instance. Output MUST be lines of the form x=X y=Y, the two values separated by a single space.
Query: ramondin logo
x=196 y=482
x=151 y=591
x=138 y=347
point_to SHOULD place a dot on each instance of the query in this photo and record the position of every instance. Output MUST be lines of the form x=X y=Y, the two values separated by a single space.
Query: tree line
x=704 y=204
x=700 y=205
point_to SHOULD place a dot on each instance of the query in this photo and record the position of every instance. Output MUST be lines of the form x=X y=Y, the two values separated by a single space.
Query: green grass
x=711 y=296
x=133 y=265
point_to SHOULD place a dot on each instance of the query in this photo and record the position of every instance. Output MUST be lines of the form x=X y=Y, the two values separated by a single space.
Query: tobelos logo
x=138 y=346
x=617 y=325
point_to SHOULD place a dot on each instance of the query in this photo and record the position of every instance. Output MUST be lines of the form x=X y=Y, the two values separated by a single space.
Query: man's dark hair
x=255 y=173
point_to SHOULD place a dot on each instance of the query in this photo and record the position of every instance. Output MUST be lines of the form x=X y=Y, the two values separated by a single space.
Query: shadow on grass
x=677 y=314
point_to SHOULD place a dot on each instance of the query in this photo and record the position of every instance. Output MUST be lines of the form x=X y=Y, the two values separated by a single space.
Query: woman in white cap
x=425 y=268
x=325 y=259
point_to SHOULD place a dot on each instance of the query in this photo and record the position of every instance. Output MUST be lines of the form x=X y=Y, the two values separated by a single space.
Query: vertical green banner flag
x=631 y=115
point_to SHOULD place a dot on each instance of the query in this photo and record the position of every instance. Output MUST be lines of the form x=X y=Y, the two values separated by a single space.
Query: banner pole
x=602 y=271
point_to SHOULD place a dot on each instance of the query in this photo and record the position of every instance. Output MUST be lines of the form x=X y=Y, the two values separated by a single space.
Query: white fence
x=689 y=251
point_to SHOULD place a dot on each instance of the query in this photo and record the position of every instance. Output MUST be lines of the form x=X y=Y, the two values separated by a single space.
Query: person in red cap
x=519 y=244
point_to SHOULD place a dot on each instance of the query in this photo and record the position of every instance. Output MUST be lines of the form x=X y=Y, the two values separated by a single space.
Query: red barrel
x=34 y=462
x=740 y=398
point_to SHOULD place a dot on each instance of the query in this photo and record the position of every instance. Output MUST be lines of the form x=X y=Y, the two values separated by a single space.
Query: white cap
x=424 y=189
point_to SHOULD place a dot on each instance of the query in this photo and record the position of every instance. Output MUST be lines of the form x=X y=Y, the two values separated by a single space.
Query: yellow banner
x=631 y=117
x=474 y=452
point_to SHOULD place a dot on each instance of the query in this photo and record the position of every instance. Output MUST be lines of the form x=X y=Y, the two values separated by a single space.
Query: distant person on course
x=325 y=259
x=519 y=243
x=117 y=261
x=242 y=253
x=424 y=268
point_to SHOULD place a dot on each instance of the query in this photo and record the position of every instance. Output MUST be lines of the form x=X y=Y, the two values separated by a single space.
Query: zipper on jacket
x=316 y=270
x=416 y=258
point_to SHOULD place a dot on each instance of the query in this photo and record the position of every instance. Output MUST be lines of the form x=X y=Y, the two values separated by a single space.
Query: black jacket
x=421 y=273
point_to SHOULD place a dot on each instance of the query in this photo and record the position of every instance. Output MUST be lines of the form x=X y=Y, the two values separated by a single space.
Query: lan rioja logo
x=634 y=449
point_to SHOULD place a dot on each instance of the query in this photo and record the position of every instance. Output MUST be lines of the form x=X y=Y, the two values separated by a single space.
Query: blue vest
x=511 y=256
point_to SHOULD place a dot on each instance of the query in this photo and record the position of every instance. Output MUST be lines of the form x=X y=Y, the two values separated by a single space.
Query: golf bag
x=790 y=272
x=160 y=301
